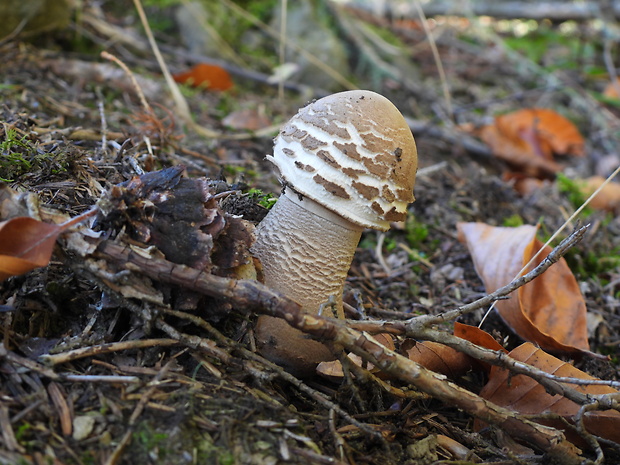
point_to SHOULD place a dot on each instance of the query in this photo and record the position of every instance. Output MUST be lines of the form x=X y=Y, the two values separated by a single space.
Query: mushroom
x=347 y=162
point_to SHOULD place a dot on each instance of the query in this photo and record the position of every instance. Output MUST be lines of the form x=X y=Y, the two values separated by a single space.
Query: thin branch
x=253 y=295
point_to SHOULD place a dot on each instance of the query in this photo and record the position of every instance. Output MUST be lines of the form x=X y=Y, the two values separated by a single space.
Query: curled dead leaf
x=527 y=140
x=208 y=76
x=550 y=310
x=249 y=119
x=611 y=90
x=526 y=396
x=437 y=357
x=25 y=244
x=607 y=199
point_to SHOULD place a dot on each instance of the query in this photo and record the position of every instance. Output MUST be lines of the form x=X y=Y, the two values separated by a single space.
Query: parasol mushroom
x=347 y=162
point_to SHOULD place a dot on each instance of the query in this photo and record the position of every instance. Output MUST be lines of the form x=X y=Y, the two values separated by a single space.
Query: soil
x=180 y=403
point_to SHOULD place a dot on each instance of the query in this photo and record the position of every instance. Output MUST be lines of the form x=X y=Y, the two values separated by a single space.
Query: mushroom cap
x=353 y=153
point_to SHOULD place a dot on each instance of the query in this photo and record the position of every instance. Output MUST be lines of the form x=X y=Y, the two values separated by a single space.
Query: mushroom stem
x=306 y=252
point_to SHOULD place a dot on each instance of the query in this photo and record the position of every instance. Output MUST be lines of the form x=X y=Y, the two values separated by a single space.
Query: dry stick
x=431 y=41
x=52 y=375
x=419 y=327
x=180 y=102
x=132 y=78
x=554 y=10
x=312 y=393
x=251 y=294
x=590 y=439
x=282 y=51
x=83 y=352
x=8 y=435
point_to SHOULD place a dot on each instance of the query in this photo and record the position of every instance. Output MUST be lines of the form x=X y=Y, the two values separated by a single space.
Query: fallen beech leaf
x=549 y=128
x=549 y=311
x=446 y=360
x=208 y=76
x=249 y=119
x=518 y=154
x=524 y=185
x=528 y=138
x=477 y=336
x=25 y=244
x=607 y=199
x=526 y=396
x=611 y=89
x=437 y=357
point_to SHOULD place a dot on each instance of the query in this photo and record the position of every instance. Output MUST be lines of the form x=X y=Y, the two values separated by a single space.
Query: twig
x=431 y=42
x=550 y=9
x=114 y=379
x=554 y=256
x=180 y=102
x=583 y=432
x=147 y=108
x=312 y=393
x=83 y=352
x=8 y=435
x=251 y=294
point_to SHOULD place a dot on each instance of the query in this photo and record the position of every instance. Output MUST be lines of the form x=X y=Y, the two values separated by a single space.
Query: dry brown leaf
x=526 y=396
x=25 y=244
x=550 y=129
x=208 y=76
x=607 y=199
x=446 y=360
x=528 y=138
x=249 y=119
x=518 y=154
x=524 y=185
x=477 y=336
x=611 y=89
x=549 y=311
x=437 y=357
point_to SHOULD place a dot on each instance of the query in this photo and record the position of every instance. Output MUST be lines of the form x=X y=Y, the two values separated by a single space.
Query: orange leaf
x=208 y=76
x=610 y=91
x=477 y=336
x=437 y=357
x=249 y=119
x=25 y=244
x=550 y=129
x=607 y=199
x=518 y=154
x=526 y=396
x=550 y=310
x=528 y=138
x=446 y=360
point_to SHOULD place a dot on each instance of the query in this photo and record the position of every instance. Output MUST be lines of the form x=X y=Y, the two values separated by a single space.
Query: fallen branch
x=553 y=10
x=253 y=295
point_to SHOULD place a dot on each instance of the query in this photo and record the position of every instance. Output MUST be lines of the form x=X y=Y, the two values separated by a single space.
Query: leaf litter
x=230 y=407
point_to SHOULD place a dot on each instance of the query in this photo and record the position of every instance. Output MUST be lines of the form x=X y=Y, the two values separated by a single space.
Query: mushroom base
x=306 y=252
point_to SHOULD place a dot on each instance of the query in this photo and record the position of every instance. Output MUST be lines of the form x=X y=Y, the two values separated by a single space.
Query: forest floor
x=180 y=403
